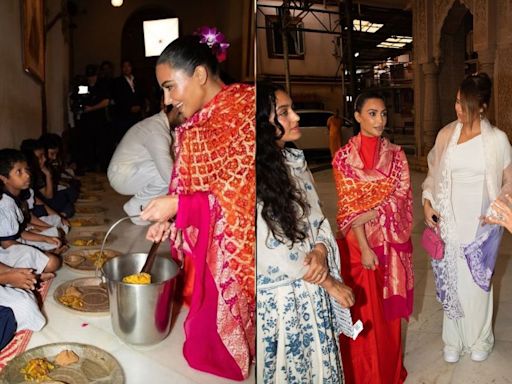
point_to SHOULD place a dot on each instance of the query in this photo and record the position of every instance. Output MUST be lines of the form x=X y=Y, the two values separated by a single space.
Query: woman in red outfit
x=375 y=222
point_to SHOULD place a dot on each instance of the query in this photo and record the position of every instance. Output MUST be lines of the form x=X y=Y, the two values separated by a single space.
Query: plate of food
x=88 y=260
x=84 y=295
x=91 y=221
x=71 y=363
x=89 y=209
x=88 y=198
x=96 y=187
x=87 y=239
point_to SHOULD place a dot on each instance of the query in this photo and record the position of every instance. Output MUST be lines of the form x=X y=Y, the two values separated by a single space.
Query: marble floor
x=422 y=334
x=162 y=363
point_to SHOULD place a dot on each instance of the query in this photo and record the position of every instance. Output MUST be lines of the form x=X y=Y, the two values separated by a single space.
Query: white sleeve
x=158 y=144
x=9 y=224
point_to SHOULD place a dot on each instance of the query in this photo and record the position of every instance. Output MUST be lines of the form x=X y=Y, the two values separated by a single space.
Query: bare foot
x=45 y=276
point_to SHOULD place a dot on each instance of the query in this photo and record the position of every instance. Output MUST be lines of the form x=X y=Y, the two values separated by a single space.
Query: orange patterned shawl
x=387 y=189
x=216 y=153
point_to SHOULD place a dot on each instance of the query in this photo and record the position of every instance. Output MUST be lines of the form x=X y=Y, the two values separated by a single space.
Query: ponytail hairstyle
x=187 y=53
x=283 y=203
x=475 y=95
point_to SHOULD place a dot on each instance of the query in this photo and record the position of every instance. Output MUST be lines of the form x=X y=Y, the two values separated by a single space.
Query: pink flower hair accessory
x=215 y=40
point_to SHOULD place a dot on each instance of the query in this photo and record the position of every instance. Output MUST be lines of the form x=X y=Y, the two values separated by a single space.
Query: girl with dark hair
x=212 y=194
x=21 y=245
x=468 y=169
x=298 y=282
x=375 y=222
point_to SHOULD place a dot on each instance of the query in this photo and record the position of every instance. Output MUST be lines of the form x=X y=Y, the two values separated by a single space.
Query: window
x=275 y=41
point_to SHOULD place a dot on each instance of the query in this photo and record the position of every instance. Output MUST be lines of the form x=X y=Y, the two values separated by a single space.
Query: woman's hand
x=161 y=209
x=159 y=231
x=429 y=213
x=317 y=261
x=342 y=293
x=22 y=278
x=369 y=259
x=504 y=213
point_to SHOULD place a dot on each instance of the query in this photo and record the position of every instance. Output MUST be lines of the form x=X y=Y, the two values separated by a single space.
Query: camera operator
x=92 y=123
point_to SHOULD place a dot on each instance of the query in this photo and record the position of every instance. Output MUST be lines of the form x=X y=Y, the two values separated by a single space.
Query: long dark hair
x=186 y=53
x=283 y=202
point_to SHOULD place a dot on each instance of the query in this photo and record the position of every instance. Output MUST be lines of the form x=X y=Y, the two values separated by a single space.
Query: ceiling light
x=366 y=26
x=116 y=3
x=356 y=54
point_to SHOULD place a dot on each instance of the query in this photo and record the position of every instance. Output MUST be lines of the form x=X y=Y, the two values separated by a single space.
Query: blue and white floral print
x=297 y=337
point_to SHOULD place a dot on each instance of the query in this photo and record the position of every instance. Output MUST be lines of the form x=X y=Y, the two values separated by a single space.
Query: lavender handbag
x=432 y=242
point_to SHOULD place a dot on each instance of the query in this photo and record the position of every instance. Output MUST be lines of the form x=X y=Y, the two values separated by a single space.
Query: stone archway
x=452 y=58
x=132 y=48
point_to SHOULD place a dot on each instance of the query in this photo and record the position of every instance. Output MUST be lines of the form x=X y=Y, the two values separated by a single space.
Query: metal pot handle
x=99 y=271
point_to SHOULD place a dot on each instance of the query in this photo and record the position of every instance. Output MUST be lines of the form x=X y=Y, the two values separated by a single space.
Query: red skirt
x=375 y=357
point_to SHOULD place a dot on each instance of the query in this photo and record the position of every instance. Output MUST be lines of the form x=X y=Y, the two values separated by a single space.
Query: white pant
x=473 y=332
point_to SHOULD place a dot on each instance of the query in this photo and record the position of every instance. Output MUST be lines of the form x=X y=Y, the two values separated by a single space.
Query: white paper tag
x=357 y=328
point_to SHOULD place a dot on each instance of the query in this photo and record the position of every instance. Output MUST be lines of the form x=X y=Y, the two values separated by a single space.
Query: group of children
x=37 y=196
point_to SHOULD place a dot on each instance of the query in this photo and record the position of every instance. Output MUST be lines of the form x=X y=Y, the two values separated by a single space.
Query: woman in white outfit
x=468 y=170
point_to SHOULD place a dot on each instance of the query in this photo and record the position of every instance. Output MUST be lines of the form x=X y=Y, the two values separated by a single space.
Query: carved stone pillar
x=486 y=59
x=431 y=118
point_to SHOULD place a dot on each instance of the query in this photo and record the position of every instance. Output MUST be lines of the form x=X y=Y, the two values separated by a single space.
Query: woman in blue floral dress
x=299 y=289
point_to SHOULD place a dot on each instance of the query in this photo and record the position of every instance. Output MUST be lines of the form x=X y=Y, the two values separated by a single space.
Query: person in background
x=334 y=124
x=375 y=223
x=142 y=162
x=128 y=101
x=42 y=181
x=468 y=168
x=95 y=141
x=212 y=195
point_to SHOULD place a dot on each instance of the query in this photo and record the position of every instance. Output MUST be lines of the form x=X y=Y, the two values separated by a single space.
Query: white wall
x=57 y=72
x=20 y=95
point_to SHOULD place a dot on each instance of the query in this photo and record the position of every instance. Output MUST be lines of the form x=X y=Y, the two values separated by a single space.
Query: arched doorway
x=457 y=58
x=132 y=48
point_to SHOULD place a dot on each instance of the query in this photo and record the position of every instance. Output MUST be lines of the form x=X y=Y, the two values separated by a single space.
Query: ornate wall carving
x=441 y=9
x=420 y=27
x=503 y=89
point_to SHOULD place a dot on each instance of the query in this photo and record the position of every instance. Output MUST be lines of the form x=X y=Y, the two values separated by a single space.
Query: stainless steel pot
x=140 y=314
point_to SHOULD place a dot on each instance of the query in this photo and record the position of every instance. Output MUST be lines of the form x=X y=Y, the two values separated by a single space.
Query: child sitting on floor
x=14 y=178
x=42 y=216
x=42 y=181
x=63 y=178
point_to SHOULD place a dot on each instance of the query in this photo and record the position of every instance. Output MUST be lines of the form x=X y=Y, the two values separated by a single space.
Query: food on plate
x=37 y=369
x=81 y=242
x=66 y=357
x=98 y=258
x=72 y=298
x=83 y=222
